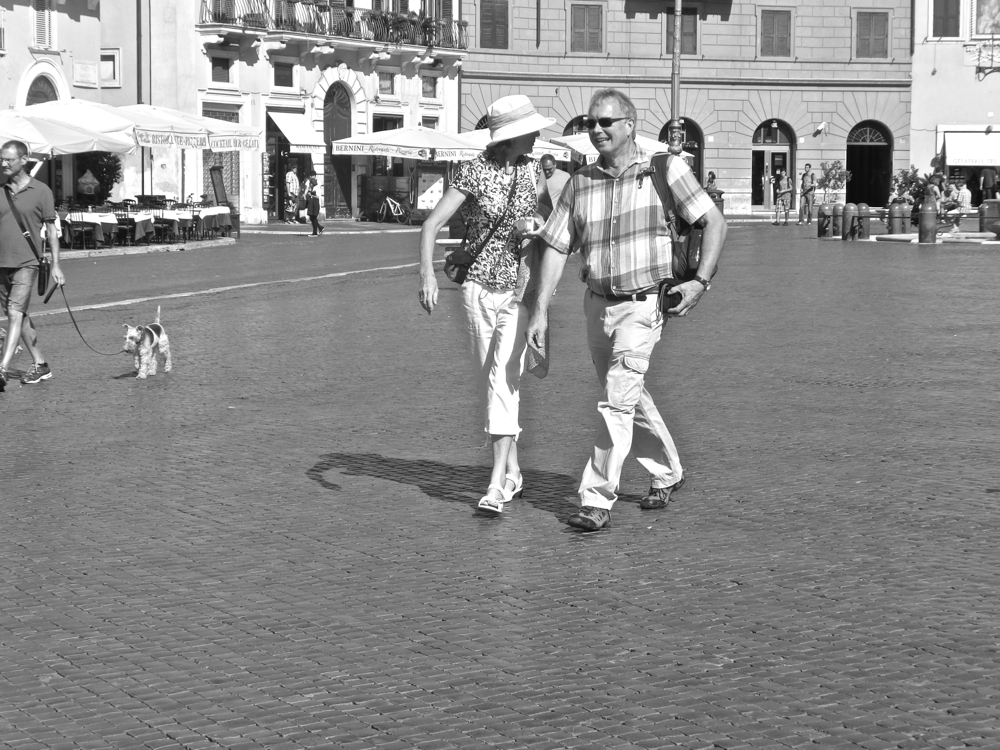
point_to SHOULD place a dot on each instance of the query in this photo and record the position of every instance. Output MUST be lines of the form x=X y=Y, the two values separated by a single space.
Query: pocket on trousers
x=625 y=381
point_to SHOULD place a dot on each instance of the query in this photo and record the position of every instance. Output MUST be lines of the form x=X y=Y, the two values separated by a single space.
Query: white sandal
x=518 y=482
x=489 y=503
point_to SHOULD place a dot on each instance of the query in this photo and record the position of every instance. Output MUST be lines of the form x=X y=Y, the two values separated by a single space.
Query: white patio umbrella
x=415 y=142
x=585 y=152
x=222 y=135
x=47 y=138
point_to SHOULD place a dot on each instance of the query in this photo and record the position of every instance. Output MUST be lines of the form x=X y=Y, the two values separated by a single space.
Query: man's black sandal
x=659 y=497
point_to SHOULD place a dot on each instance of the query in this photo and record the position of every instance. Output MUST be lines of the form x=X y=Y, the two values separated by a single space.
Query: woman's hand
x=428 y=293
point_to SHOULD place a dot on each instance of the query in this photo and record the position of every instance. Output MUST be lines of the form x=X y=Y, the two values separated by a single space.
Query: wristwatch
x=704 y=282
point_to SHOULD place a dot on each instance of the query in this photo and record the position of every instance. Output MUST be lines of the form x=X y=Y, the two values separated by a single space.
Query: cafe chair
x=126 y=225
x=77 y=229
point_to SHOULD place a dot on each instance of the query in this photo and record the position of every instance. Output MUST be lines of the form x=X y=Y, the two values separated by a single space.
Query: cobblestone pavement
x=275 y=545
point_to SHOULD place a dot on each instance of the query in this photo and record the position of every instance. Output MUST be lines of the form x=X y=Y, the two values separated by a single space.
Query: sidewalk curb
x=144 y=249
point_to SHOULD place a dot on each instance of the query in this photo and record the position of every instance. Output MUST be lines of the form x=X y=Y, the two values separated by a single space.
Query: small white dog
x=145 y=342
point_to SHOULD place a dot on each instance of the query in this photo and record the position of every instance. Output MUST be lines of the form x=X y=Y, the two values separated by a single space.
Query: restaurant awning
x=972 y=149
x=222 y=135
x=299 y=131
x=46 y=138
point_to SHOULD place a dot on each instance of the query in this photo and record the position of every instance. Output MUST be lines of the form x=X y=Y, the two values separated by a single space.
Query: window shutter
x=864 y=34
x=446 y=9
x=689 y=33
x=946 y=16
x=486 y=23
x=782 y=33
x=880 y=35
x=578 y=30
x=594 y=28
x=376 y=4
x=43 y=23
x=404 y=6
x=767 y=33
x=670 y=33
x=500 y=23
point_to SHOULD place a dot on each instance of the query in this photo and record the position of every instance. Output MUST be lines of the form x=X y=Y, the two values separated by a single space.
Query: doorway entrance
x=773 y=150
x=869 y=160
x=337 y=175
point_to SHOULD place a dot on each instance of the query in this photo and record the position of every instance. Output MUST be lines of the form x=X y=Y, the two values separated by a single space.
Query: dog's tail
x=157 y=314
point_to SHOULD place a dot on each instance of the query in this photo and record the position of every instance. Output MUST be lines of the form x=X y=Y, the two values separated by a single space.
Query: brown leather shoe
x=589 y=518
x=659 y=497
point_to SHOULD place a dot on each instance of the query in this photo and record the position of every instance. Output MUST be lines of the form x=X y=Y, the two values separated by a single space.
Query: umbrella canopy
x=156 y=128
x=415 y=142
x=145 y=128
x=222 y=135
x=47 y=138
x=479 y=139
x=584 y=151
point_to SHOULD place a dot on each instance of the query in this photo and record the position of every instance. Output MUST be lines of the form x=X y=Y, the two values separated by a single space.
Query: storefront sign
x=234 y=143
x=150 y=139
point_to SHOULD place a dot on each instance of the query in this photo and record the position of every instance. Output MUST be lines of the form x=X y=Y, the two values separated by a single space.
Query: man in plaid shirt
x=611 y=212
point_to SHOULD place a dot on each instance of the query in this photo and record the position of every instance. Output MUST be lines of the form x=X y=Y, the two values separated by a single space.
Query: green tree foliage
x=106 y=167
x=832 y=177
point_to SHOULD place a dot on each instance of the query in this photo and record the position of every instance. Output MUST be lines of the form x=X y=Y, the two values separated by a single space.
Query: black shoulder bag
x=457 y=262
x=685 y=240
x=44 y=267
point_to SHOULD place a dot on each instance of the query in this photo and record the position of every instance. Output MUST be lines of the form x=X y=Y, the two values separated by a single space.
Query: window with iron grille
x=775 y=33
x=689 y=32
x=947 y=16
x=873 y=35
x=586 y=33
x=387 y=83
x=493 y=24
x=429 y=87
x=43 y=24
x=284 y=75
x=220 y=69
x=228 y=160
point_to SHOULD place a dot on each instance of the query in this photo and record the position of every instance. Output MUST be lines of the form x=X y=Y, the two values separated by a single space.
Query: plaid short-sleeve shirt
x=618 y=223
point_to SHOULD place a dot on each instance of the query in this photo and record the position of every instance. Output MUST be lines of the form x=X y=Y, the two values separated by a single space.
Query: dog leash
x=71 y=317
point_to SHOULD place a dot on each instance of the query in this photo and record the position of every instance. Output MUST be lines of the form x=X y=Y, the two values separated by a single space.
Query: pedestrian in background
x=33 y=202
x=782 y=196
x=310 y=194
x=626 y=253
x=495 y=190
x=291 y=196
x=710 y=185
x=807 y=195
x=988 y=183
x=555 y=181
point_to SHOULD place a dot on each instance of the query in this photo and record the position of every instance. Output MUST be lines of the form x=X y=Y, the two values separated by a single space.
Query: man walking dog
x=611 y=212
x=29 y=198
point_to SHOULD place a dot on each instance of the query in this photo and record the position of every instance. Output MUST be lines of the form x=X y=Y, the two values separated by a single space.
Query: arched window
x=693 y=143
x=575 y=125
x=41 y=90
x=771 y=133
x=484 y=121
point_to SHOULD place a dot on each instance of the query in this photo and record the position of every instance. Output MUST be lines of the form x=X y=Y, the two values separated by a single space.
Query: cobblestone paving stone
x=275 y=546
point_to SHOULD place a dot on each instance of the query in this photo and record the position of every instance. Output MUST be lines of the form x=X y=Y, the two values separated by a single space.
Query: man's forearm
x=551 y=270
x=712 y=238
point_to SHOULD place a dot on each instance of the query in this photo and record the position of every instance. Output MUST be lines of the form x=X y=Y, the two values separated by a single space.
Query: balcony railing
x=351 y=23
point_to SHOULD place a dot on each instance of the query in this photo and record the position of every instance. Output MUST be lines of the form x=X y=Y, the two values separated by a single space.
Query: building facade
x=308 y=73
x=956 y=88
x=764 y=86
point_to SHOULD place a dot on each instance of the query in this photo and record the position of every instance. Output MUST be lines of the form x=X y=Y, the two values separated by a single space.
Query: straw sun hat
x=512 y=116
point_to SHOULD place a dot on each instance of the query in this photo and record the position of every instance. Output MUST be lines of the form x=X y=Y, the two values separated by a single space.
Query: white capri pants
x=496 y=324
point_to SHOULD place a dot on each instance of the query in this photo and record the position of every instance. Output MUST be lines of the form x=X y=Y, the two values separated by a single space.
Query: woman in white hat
x=494 y=191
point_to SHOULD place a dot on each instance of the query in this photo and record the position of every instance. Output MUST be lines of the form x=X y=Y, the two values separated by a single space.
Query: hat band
x=513 y=116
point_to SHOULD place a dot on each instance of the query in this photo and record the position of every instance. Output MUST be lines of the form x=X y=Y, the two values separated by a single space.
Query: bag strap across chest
x=20 y=222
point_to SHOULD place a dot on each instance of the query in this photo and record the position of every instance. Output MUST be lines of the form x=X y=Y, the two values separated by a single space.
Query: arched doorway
x=693 y=142
x=773 y=150
x=483 y=122
x=337 y=176
x=575 y=125
x=869 y=160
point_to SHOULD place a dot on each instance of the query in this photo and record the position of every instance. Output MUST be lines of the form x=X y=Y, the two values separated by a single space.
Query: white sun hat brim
x=531 y=123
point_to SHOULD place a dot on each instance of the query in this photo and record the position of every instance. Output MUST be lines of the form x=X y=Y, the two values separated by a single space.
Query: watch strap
x=704 y=282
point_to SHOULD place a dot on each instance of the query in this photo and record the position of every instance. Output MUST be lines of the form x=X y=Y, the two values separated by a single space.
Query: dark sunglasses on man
x=605 y=122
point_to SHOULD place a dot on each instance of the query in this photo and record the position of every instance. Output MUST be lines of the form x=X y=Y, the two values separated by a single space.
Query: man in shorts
x=783 y=195
x=18 y=264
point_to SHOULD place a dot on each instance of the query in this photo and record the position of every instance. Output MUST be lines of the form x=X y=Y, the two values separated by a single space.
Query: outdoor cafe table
x=104 y=224
x=212 y=217
x=143 y=225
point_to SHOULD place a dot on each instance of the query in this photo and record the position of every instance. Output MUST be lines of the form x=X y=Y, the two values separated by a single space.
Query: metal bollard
x=928 y=223
x=848 y=228
x=864 y=221
x=896 y=213
x=837 y=228
x=823 y=220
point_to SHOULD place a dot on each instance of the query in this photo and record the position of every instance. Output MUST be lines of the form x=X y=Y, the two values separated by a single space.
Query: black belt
x=638 y=297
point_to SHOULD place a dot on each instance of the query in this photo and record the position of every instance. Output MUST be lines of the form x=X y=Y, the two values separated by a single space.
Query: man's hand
x=690 y=292
x=535 y=333
x=57 y=274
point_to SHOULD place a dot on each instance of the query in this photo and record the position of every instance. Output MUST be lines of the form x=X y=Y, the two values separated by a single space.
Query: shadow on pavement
x=452 y=483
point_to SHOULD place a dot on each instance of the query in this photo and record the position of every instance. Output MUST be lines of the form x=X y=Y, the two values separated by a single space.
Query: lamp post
x=674 y=128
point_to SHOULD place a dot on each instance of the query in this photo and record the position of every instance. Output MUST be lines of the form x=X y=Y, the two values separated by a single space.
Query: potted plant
x=832 y=178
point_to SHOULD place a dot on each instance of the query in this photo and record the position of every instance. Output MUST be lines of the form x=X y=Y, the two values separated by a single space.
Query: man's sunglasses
x=605 y=122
